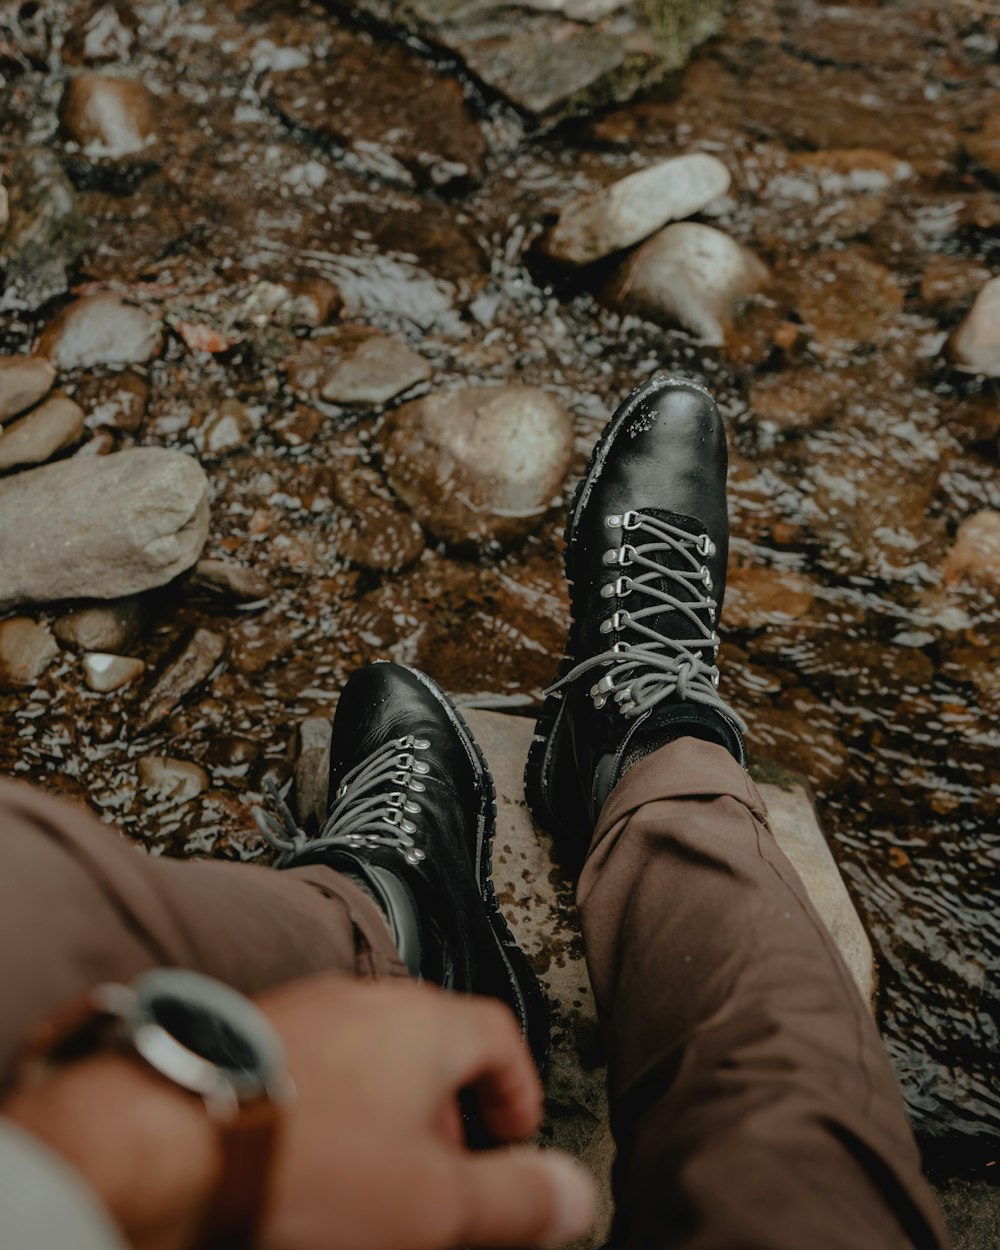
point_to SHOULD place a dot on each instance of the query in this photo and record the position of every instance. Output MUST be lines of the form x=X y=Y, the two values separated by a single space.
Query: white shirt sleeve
x=44 y=1205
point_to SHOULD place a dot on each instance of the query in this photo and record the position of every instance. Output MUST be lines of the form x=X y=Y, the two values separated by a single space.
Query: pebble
x=108 y=116
x=166 y=779
x=24 y=380
x=204 y=650
x=481 y=464
x=311 y=302
x=27 y=648
x=124 y=523
x=312 y=771
x=975 y=345
x=375 y=532
x=356 y=365
x=636 y=206
x=118 y=400
x=101 y=329
x=105 y=673
x=690 y=274
x=975 y=555
x=103 y=627
x=48 y=429
x=298 y=428
x=107 y=33
x=228 y=429
x=45 y=233
x=258 y=644
x=229 y=581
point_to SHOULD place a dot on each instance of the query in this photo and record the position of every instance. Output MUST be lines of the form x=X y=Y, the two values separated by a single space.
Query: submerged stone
x=48 y=429
x=101 y=329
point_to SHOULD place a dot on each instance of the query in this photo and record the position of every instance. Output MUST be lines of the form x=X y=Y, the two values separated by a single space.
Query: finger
x=524 y=1197
x=485 y=1051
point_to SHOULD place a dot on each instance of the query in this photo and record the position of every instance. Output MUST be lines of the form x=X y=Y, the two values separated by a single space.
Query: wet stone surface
x=863 y=654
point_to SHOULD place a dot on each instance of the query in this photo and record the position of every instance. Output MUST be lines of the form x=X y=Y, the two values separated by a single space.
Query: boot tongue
x=672 y=624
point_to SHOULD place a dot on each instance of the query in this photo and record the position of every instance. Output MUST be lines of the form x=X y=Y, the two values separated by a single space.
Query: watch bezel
x=223 y=1089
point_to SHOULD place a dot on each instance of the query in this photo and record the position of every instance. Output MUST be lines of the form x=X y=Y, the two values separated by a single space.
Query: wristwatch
x=209 y=1040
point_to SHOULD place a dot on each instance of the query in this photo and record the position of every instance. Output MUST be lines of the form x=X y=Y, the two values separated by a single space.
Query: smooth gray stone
x=101 y=527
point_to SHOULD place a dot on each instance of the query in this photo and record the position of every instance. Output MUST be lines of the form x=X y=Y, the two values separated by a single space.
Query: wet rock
x=846 y=300
x=24 y=380
x=312 y=771
x=311 y=302
x=690 y=274
x=48 y=429
x=633 y=208
x=983 y=147
x=103 y=627
x=108 y=117
x=385 y=106
x=100 y=34
x=204 y=650
x=355 y=365
x=757 y=597
x=565 y=57
x=27 y=648
x=298 y=428
x=951 y=282
x=975 y=345
x=45 y=233
x=124 y=523
x=168 y=780
x=105 y=673
x=256 y=645
x=229 y=581
x=232 y=752
x=975 y=555
x=374 y=532
x=100 y=329
x=798 y=399
x=228 y=429
x=118 y=401
x=479 y=465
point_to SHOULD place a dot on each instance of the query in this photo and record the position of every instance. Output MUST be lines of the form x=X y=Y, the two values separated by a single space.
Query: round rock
x=105 y=673
x=109 y=117
x=479 y=465
x=690 y=274
x=975 y=556
x=975 y=345
x=24 y=380
x=635 y=207
x=103 y=627
x=169 y=780
x=101 y=527
x=27 y=648
x=356 y=365
x=46 y=430
x=100 y=329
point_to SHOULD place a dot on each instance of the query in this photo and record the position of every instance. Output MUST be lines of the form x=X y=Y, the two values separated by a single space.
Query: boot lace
x=365 y=811
x=649 y=666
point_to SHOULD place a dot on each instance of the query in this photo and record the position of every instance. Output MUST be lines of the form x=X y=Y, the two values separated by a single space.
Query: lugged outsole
x=535 y=795
x=532 y=1009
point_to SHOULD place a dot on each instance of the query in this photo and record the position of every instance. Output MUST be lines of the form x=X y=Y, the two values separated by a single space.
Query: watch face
x=205 y=1036
x=210 y=1035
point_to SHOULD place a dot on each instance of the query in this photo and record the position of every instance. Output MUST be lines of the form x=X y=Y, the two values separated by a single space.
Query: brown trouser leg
x=753 y=1103
x=79 y=905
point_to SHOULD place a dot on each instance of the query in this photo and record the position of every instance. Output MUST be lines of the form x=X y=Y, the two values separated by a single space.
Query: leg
x=79 y=905
x=752 y=1101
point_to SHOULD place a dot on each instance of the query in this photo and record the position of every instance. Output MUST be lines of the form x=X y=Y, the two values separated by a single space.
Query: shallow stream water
x=854 y=664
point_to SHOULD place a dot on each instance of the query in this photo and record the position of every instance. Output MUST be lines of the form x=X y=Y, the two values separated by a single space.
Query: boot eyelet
x=414 y=855
x=614 y=521
x=705 y=546
x=715 y=680
x=418 y=786
x=420 y=767
x=421 y=744
x=411 y=807
x=614 y=622
x=630 y=521
x=619 y=647
x=626 y=555
x=408 y=826
x=706 y=577
x=395 y=799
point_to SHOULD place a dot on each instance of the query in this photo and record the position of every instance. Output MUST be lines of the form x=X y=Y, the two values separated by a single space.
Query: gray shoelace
x=370 y=809
x=654 y=667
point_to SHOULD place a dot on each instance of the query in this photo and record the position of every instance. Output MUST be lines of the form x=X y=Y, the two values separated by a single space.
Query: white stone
x=166 y=779
x=975 y=345
x=635 y=207
x=105 y=673
x=691 y=274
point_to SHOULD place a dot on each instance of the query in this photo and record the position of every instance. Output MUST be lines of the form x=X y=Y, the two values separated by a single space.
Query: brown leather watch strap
x=249 y=1146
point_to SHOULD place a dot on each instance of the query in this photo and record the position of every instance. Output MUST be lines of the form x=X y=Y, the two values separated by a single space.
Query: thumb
x=525 y=1197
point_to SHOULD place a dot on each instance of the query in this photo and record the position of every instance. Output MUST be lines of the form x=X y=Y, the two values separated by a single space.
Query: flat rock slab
x=537 y=900
x=560 y=56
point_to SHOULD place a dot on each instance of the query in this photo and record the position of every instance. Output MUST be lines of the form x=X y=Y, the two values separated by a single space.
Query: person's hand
x=373 y=1156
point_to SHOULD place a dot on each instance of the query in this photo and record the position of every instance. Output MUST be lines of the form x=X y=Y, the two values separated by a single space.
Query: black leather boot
x=412 y=814
x=646 y=549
